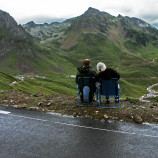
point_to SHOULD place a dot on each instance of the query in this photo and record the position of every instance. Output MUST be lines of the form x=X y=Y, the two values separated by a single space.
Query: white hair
x=101 y=66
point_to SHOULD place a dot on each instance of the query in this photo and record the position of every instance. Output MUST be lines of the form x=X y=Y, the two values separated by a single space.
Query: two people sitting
x=105 y=73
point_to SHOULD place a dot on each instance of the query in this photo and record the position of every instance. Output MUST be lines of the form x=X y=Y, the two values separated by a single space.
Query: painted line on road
x=4 y=112
x=79 y=126
x=102 y=129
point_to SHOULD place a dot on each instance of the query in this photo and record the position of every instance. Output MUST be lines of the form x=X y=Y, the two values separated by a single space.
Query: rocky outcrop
x=13 y=37
x=92 y=19
x=30 y=24
x=42 y=32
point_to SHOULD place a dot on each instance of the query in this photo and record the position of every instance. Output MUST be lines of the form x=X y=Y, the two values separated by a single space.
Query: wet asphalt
x=34 y=134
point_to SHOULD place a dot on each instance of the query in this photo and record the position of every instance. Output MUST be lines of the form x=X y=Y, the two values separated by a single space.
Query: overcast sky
x=41 y=11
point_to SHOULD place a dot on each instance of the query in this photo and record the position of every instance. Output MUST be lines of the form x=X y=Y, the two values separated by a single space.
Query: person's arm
x=98 y=77
x=117 y=75
x=78 y=75
x=77 y=78
x=94 y=74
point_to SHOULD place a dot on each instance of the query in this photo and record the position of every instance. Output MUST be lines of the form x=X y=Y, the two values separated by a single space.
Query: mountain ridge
x=91 y=21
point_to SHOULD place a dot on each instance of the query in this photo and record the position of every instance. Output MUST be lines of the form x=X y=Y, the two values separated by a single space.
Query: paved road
x=33 y=134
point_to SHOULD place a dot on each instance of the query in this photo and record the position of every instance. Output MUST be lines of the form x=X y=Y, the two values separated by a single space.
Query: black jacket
x=85 y=71
x=108 y=74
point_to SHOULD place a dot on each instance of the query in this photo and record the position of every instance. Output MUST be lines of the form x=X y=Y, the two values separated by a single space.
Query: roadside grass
x=131 y=100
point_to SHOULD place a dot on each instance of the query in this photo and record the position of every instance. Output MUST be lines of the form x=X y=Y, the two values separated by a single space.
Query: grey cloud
x=150 y=17
x=40 y=20
x=142 y=9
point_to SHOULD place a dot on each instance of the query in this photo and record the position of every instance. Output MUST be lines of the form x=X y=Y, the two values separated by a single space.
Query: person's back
x=87 y=92
x=108 y=73
x=86 y=70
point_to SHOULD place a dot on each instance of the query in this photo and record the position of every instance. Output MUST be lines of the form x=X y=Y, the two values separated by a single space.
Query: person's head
x=101 y=66
x=87 y=62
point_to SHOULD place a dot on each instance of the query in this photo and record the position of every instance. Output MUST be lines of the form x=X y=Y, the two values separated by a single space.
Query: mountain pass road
x=35 y=134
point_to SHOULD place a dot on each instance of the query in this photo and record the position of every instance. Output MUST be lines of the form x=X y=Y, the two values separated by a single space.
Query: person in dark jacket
x=106 y=73
x=86 y=70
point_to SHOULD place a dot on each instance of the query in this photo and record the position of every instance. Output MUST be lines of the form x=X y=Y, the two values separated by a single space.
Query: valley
x=126 y=44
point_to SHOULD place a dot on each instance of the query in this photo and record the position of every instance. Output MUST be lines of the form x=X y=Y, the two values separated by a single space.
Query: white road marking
x=57 y=114
x=4 y=112
x=86 y=127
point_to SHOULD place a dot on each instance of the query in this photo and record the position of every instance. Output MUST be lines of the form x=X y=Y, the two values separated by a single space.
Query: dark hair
x=86 y=62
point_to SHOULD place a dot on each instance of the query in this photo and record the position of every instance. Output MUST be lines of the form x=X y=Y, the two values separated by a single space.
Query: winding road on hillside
x=151 y=94
x=35 y=134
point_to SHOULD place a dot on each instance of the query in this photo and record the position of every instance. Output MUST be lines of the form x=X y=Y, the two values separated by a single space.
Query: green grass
x=155 y=88
x=5 y=80
x=136 y=68
x=49 y=86
x=65 y=85
x=4 y=86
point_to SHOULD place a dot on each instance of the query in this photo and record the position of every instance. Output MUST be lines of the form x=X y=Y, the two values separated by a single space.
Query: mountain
x=13 y=36
x=20 y=52
x=112 y=28
x=128 y=34
x=127 y=44
x=93 y=21
x=47 y=32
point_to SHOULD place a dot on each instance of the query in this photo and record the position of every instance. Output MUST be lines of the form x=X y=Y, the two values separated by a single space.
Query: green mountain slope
x=126 y=44
x=20 y=53
x=5 y=80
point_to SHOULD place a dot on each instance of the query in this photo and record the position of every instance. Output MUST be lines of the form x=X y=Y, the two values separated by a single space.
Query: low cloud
x=51 y=10
x=142 y=9
x=40 y=19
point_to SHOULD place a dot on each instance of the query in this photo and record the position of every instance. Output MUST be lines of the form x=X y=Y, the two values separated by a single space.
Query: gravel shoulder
x=131 y=110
